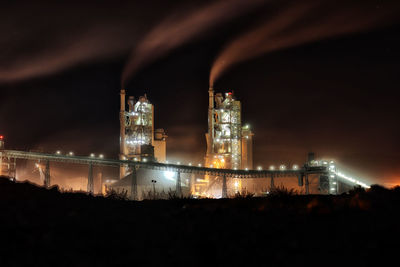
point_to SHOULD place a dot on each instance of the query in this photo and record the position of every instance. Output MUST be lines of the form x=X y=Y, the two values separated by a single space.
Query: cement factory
x=144 y=171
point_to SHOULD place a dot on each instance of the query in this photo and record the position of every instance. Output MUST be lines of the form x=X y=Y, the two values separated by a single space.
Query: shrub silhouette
x=116 y=195
x=281 y=191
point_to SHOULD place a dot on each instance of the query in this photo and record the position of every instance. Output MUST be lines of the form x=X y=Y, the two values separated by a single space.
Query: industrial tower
x=138 y=140
x=229 y=144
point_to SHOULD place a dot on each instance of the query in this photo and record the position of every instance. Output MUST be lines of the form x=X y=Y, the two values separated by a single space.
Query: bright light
x=236 y=184
x=199 y=165
x=341 y=175
x=282 y=167
x=71 y=153
x=58 y=152
x=211 y=166
x=101 y=156
x=166 y=162
x=272 y=167
x=190 y=164
x=169 y=175
x=144 y=160
x=92 y=155
x=246 y=169
x=259 y=168
x=295 y=167
x=178 y=163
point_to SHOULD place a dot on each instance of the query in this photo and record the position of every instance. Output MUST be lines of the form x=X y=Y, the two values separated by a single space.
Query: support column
x=307 y=184
x=272 y=187
x=12 y=169
x=178 y=184
x=100 y=181
x=90 y=179
x=47 y=174
x=301 y=179
x=191 y=184
x=224 y=187
x=134 y=193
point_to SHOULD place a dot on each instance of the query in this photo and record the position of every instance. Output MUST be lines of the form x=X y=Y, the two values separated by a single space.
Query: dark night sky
x=61 y=66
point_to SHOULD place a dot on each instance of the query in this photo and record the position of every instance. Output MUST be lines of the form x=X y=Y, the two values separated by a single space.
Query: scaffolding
x=138 y=127
x=229 y=145
x=226 y=132
x=138 y=139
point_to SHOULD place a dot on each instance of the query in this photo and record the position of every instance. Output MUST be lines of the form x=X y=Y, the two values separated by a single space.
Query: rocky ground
x=45 y=227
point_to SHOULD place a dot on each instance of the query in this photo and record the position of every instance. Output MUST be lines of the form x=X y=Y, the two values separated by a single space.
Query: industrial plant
x=138 y=139
x=145 y=172
x=229 y=146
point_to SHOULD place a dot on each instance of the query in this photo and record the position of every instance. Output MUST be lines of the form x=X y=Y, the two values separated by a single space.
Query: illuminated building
x=138 y=140
x=229 y=144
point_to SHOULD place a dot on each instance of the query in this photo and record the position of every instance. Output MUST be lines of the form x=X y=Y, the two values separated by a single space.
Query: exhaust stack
x=122 y=147
x=210 y=119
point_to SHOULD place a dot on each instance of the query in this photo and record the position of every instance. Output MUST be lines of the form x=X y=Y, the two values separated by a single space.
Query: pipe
x=122 y=133
x=211 y=119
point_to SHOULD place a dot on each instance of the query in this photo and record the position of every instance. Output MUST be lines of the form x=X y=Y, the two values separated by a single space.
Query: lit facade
x=229 y=144
x=138 y=140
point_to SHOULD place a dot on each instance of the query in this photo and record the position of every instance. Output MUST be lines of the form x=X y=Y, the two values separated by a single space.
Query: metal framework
x=226 y=132
x=138 y=127
x=243 y=174
x=301 y=173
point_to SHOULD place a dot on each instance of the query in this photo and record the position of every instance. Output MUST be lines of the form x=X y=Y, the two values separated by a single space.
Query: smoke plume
x=43 y=39
x=181 y=27
x=301 y=23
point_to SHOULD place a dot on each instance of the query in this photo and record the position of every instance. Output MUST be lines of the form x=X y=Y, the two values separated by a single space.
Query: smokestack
x=122 y=132
x=210 y=118
x=211 y=97
x=122 y=94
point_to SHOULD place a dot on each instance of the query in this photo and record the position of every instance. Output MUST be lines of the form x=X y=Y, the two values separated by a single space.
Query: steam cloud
x=40 y=39
x=62 y=35
x=297 y=25
x=175 y=30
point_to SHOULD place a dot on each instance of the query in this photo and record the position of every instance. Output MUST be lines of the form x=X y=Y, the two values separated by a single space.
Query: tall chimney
x=211 y=119
x=211 y=98
x=122 y=94
x=122 y=132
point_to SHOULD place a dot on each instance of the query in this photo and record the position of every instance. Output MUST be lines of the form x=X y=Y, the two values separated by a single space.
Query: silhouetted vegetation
x=46 y=227
x=281 y=191
x=116 y=195
x=243 y=194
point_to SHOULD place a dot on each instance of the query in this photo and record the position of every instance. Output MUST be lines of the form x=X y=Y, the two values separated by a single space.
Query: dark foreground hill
x=43 y=227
